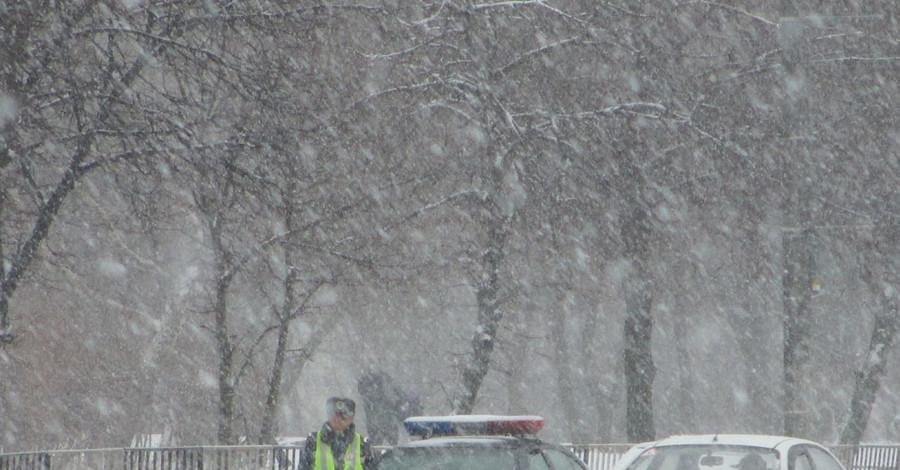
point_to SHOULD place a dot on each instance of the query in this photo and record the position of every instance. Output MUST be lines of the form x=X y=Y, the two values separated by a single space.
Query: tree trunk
x=639 y=368
x=752 y=321
x=603 y=392
x=799 y=266
x=227 y=376
x=868 y=378
x=269 y=428
x=680 y=326
x=489 y=316
x=516 y=385
x=562 y=360
x=799 y=275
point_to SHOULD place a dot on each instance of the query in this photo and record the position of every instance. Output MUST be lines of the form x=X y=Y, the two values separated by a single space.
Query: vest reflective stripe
x=325 y=459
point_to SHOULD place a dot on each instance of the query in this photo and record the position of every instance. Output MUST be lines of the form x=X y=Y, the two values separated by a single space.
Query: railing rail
x=596 y=456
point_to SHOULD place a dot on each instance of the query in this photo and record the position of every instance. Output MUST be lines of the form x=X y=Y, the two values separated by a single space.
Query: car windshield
x=449 y=458
x=706 y=457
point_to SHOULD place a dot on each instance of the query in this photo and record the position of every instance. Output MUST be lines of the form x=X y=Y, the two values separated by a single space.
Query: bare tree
x=639 y=367
x=879 y=272
x=44 y=88
x=797 y=292
x=871 y=372
x=507 y=158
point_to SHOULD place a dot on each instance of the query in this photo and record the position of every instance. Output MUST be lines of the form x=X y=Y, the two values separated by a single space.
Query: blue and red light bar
x=473 y=425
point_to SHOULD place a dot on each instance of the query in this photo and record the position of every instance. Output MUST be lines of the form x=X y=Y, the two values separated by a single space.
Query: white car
x=729 y=452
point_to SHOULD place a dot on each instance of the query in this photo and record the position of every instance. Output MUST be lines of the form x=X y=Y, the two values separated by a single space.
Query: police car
x=473 y=442
x=729 y=452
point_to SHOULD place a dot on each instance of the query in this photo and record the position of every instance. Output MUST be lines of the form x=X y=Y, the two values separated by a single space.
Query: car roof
x=755 y=440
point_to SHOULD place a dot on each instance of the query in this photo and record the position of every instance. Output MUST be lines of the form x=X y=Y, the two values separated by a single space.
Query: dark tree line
x=621 y=170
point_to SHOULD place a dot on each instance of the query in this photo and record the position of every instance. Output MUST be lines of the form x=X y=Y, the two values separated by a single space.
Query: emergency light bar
x=472 y=425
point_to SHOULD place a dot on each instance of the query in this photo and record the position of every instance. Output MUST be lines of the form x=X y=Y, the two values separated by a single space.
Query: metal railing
x=596 y=456
x=599 y=456
x=869 y=457
x=158 y=458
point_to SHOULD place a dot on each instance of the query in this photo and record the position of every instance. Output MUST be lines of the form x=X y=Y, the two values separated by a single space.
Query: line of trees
x=262 y=194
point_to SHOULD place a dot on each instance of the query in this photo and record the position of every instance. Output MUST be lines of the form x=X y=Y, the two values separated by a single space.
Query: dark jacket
x=338 y=442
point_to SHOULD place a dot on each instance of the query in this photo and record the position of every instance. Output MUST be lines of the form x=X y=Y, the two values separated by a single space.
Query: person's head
x=751 y=462
x=340 y=413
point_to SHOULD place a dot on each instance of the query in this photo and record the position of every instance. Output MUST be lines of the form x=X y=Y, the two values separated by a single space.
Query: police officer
x=337 y=446
x=751 y=462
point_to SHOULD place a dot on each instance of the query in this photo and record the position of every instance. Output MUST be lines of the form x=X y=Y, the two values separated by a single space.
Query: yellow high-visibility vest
x=352 y=457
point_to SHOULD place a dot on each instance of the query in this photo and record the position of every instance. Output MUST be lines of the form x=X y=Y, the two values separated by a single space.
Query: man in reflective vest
x=337 y=446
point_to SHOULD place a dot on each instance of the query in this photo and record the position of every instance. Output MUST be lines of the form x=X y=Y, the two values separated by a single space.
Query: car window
x=654 y=459
x=706 y=457
x=536 y=461
x=822 y=460
x=448 y=458
x=561 y=460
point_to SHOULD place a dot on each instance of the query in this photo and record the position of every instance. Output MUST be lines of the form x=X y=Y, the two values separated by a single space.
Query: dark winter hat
x=340 y=406
x=751 y=462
